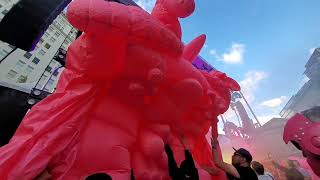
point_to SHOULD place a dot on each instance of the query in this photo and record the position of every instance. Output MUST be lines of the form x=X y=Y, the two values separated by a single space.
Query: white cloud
x=311 y=50
x=251 y=83
x=205 y=45
x=146 y=4
x=275 y=102
x=234 y=55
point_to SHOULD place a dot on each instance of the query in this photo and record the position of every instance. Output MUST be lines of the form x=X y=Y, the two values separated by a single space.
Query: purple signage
x=200 y=63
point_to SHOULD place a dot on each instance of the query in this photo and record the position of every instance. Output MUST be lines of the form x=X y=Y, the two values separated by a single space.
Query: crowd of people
x=242 y=167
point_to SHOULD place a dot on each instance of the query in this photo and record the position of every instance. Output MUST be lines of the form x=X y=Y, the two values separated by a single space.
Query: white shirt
x=266 y=176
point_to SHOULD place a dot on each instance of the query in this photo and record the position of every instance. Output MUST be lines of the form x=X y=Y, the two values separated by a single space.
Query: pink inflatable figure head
x=305 y=135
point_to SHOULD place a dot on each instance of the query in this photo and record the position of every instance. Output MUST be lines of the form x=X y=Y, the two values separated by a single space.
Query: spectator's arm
x=132 y=175
x=211 y=170
x=171 y=161
x=228 y=168
x=189 y=158
x=190 y=162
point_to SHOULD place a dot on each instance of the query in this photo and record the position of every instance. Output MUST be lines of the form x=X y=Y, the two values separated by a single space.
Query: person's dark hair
x=257 y=167
x=99 y=176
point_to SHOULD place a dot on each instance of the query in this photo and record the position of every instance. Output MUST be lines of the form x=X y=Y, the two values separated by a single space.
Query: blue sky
x=263 y=44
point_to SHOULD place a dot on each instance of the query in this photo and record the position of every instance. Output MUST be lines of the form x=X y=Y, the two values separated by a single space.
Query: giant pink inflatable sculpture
x=129 y=88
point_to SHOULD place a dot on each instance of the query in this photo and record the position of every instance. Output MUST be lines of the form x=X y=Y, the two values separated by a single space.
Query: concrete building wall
x=309 y=95
x=23 y=70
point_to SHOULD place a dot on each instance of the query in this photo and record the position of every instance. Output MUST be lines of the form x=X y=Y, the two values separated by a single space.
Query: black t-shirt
x=246 y=173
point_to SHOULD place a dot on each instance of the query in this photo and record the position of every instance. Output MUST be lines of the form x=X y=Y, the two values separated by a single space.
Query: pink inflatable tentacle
x=192 y=49
x=102 y=17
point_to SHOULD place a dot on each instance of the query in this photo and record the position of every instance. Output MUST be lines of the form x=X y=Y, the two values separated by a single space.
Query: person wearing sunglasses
x=240 y=168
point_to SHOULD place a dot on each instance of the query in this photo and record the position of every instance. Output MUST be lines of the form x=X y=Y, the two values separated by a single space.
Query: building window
x=22 y=79
x=36 y=48
x=55 y=73
x=36 y=60
x=50 y=82
x=58 y=25
x=4 y=12
x=47 y=45
x=50 y=28
x=12 y=47
x=41 y=41
x=48 y=69
x=20 y=64
x=52 y=39
x=57 y=34
x=64 y=47
x=28 y=70
x=41 y=82
x=27 y=55
x=46 y=35
x=11 y=74
x=42 y=52
x=3 y=53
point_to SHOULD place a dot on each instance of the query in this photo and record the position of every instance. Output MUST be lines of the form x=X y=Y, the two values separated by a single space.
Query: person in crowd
x=291 y=172
x=259 y=169
x=303 y=171
x=240 y=168
x=187 y=168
